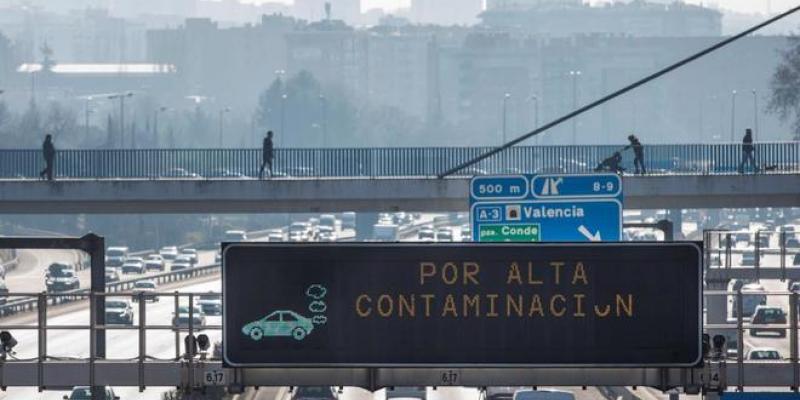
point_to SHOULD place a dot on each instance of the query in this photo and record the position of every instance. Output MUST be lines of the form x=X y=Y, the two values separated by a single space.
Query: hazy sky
x=738 y=5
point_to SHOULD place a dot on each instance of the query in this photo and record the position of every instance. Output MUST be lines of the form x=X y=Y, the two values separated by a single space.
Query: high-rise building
x=446 y=12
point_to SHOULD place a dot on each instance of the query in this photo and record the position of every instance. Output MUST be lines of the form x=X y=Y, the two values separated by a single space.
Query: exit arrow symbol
x=592 y=237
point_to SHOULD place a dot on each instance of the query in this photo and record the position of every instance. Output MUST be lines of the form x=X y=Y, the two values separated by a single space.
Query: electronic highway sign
x=546 y=208
x=461 y=305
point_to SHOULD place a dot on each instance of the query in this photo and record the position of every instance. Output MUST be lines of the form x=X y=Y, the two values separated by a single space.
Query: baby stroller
x=611 y=164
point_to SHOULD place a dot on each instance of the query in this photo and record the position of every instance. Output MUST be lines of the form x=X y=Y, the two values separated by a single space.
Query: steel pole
x=733 y=116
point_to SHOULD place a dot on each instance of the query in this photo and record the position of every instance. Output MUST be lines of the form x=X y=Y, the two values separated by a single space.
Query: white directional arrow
x=592 y=237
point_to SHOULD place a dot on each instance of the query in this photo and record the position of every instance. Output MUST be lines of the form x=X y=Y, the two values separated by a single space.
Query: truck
x=348 y=220
x=116 y=256
x=386 y=233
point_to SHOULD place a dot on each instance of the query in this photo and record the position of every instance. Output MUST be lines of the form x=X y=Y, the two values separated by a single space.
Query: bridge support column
x=676 y=217
x=364 y=223
x=716 y=306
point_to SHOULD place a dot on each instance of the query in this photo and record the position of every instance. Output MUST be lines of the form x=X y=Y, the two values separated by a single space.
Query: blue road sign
x=499 y=187
x=566 y=186
x=548 y=208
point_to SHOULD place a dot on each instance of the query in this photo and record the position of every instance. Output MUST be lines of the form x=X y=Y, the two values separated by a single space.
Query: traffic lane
x=120 y=344
x=769 y=339
x=34 y=264
x=30 y=275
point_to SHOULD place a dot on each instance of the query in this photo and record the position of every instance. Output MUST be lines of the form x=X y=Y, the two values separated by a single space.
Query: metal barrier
x=371 y=162
x=735 y=363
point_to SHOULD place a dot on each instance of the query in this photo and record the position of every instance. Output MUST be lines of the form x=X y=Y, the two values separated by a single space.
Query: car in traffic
x=191 y=254
x=407 y=392
x=210 y=303
x=543 y=394
x=168 y=252
x=279 y=323
x=61 y=277
x=152 y=265
x=133 y=267
x=146 y=288
x=153 y=260
x=299 y=232
x=500 y=392
x=183 y=259
x=466 y=234
x=119 y=312
x=768 y=315
x=180 y=265
x=85 y=393
x=314 y=393
x=444 y=235
x=763 y=353
x=235 y=236
x=326 y=234
x=426 y=235
x=182 y=320
x=111 y=275
x=116 y=256
x=275 y=236
x=792 y=243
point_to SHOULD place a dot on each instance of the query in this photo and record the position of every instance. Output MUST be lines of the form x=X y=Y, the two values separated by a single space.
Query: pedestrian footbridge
x=376 y=179
x=362 y=194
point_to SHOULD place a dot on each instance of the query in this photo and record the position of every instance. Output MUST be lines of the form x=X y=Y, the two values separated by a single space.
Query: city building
x=639 y=18
x=231 y=64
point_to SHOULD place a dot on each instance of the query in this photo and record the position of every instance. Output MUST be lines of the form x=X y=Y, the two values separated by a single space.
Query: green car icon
x=279 y=323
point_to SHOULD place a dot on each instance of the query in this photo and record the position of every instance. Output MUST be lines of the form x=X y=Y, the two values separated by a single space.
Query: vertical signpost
x=546 y=208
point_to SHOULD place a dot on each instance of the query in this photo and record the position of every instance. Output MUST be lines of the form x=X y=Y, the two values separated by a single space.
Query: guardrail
x=24 y=305
x=407 y=161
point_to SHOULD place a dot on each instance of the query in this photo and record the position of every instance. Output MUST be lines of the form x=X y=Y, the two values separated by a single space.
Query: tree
x=308 y=112
x=785 y=86
x=62 y=123
x=269 y=103
x=30 y=127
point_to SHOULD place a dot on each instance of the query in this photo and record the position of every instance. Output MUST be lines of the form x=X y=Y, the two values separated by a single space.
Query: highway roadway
x=124 y=344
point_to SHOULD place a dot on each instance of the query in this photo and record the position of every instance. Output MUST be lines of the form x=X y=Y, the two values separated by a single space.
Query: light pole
x=121 y=97
x=324 y=107
x=574 y=75
x=535 y=99
x=222 y=123
x=505 y=110
x=733 y=115
x=156 y=113
x=87 y=111
x=283 y=117
x=755 y=114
